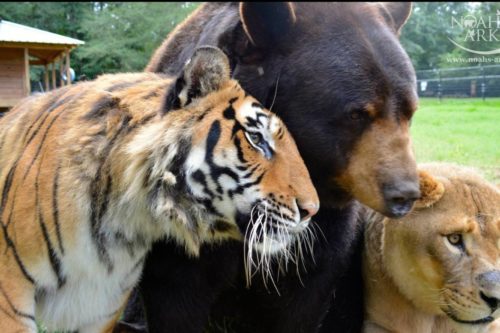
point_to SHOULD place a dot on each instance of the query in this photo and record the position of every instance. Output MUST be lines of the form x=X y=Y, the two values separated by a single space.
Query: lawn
x=464 y=131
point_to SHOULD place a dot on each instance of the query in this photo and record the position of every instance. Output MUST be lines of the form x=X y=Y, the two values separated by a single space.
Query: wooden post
x=68 y=73
x=27 y=85
x=61 y=70
x=54 y=83
x=46 y=77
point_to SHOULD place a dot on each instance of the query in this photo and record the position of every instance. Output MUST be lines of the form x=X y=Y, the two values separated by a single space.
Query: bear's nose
x=399 y=198
x=307 y=210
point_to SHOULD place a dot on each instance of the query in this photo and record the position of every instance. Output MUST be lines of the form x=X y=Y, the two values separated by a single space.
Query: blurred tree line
x=122 y=36
x=426 y=34
x=118 y=36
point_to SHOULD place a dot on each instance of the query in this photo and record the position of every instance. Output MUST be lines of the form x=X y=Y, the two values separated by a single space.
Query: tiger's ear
x=206 y=72
x=431 y=190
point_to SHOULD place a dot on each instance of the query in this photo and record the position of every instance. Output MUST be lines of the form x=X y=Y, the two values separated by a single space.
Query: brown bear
x=339 y=78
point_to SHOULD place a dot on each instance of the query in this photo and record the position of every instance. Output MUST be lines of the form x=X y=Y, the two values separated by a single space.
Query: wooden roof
x=17 y=33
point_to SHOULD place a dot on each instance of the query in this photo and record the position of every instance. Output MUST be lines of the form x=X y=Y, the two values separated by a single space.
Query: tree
x=121 y=37
x=118 y=36
x=425 y=36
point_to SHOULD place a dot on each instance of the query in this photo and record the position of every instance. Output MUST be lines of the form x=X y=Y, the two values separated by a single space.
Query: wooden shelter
x=21 y=47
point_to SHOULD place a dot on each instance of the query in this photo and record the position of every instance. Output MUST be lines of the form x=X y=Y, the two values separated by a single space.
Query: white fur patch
x=91 y=294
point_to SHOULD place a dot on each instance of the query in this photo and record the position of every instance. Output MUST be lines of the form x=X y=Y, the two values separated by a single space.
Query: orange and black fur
x=92 y=174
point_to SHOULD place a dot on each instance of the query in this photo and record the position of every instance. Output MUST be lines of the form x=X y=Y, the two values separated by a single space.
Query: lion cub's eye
x=455 y=239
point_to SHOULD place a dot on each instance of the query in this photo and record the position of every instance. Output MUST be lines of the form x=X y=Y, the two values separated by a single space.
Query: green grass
x=464 y=131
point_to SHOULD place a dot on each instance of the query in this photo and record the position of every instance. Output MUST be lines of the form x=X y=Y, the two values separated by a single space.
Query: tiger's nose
x=307 y=210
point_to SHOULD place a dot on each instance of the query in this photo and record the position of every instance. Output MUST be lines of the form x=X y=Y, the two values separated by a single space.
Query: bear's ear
x=267 y=23
x=396 y=13
x=431 y=190
x=206 y=72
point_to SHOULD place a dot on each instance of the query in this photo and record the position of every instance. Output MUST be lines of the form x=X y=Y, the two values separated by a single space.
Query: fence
x=477 y=81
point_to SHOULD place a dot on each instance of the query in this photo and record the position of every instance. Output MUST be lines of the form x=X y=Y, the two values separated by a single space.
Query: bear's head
x=338 y=77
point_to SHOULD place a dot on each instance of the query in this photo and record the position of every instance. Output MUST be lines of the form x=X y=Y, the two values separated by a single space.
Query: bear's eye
x=456 y=240
x=357 y=114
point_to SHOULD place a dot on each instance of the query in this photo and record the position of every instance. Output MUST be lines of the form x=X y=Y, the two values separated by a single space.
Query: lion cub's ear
x=206 y=72
x=431 y=190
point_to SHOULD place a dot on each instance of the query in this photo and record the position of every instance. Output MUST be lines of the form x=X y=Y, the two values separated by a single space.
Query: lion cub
x=437 y=269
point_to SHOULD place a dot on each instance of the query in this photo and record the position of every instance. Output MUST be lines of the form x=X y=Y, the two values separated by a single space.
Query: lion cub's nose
x=307 y=210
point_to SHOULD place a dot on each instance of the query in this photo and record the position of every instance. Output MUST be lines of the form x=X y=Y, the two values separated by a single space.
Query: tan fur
x=412 y=275
x=66 y=154
x=386 y=145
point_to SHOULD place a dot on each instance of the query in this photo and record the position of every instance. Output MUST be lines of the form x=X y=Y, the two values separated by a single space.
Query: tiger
x=92 y=174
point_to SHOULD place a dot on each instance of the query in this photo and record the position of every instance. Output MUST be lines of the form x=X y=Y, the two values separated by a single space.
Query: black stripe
x=8 y=314
x=153 y=93
x=208 y=204
x=281 y=133
x=3 y=139
x=216 y=171
x=257 y=181
x=47 y=107
x=55 y=262
x=199 y=177
x=242 y=187
x=55 y=208
x=13 y=308
x=278 y=214
x=8 y=240
x=250 y=172
x=10 y=244
x=99 y=205
x=221 y=226
x=252 y=122
x=261 y=115
x=236 y=127
x=171 y=99
x=239 y=151
x=212 y=138
x=229 y=113
x=8 y=183
x=101 y=106
x=46 y=115
x=40 y=145
x=100 y=197
x=136 y=266
x=143 y=121
x=9 y=219
x=257 y=105
x=123 y=85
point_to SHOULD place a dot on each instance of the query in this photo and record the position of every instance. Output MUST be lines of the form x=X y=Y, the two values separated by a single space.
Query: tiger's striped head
x=243 y=166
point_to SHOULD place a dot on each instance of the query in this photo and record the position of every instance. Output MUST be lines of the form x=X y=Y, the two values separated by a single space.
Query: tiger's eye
x=455 y=239
x=255 y=138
